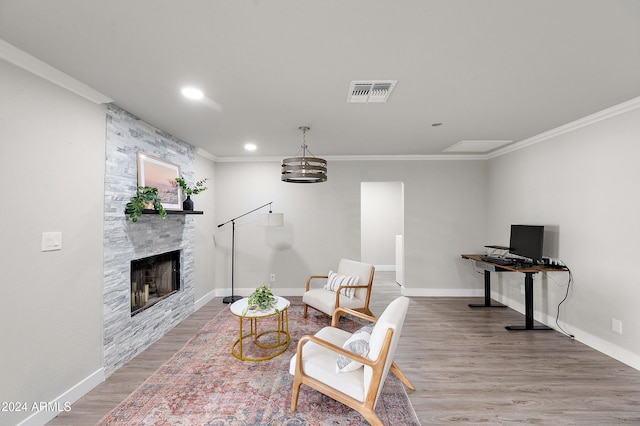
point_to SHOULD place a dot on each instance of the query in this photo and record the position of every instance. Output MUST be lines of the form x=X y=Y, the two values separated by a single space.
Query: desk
x=528 y=289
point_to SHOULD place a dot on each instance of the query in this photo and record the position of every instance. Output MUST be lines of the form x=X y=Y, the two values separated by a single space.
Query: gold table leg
x=283 y=337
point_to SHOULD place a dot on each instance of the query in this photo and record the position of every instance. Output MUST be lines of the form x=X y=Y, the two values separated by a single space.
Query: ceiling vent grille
x=370 y=91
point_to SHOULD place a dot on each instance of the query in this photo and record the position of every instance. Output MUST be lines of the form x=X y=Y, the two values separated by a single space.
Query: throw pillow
x=358 y=343
x=335 y=281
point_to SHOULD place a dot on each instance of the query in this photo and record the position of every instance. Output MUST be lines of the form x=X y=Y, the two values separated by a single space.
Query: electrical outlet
x=272 y=278
x=51 y=241
x=616 y=325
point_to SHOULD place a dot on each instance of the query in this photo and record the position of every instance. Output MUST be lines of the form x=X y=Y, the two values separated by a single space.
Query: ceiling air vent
x=370 y=91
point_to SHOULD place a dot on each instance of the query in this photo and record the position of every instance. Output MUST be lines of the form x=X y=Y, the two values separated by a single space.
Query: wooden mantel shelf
x=183 y=212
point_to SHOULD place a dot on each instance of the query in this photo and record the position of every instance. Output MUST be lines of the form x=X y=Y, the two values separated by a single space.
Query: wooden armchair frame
x=366 y=407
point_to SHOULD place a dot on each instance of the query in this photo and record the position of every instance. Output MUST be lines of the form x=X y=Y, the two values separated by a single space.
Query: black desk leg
x=487 y=294
x=528 y=308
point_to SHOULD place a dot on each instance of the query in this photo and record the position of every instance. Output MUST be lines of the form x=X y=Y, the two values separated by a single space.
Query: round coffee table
x=282 y=337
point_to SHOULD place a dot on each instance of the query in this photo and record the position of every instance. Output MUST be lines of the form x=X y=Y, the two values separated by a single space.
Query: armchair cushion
x=320 y=363
x=358 y=343
x=334 y=281
x=325 y=300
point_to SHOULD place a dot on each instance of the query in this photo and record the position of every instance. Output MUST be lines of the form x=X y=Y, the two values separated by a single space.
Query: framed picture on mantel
x=161 y=174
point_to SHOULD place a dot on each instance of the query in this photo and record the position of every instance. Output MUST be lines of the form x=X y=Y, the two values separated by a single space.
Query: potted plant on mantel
x=146 y=198
x=187 y=190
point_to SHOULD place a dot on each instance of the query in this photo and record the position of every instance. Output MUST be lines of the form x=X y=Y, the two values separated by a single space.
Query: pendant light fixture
x=304 y=169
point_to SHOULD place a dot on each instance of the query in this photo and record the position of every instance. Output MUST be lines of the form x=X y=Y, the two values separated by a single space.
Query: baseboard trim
x=607 y=348
x=204 y=300
x=278 y=291
x=442 y=292
x=64 y=401
x=603 y=346
x=415 y=292
x=385 y=268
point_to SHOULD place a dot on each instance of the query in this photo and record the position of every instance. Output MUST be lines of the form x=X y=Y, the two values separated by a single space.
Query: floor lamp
x=271 y=219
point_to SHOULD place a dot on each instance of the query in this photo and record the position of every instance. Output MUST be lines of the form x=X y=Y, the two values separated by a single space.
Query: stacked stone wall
x=126 y=336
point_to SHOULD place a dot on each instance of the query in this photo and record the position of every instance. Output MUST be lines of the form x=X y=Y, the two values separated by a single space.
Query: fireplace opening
x=153 y=279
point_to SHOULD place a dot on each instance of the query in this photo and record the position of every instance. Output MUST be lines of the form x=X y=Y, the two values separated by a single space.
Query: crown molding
x=206 y=154
x=566 y=128
x=438 y=157
x=622 y=108
x=21 y=59
x=356 y=158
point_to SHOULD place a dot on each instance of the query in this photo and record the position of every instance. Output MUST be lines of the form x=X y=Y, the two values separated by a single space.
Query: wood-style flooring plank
x=465 y=365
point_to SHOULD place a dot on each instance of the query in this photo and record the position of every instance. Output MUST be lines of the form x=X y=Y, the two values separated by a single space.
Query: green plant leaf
x=191 y=190
x=144 y=195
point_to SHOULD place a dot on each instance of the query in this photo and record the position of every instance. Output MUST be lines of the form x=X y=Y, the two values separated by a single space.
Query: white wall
x=52 y=146
x=205 y=228
x=584 y=184
x=444 y=217
x=321 y=224
x=382 y=218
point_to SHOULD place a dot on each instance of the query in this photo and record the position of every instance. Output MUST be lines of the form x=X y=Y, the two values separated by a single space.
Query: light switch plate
x=51 y=241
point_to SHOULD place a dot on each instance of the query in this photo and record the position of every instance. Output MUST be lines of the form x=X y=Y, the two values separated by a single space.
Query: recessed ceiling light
x=192 y=93
x=250 y=147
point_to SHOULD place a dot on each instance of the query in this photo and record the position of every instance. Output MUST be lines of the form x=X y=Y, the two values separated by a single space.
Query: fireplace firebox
x=153 y=279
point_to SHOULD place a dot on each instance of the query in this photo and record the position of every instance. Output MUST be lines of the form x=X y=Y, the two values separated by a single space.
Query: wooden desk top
x=514 y=268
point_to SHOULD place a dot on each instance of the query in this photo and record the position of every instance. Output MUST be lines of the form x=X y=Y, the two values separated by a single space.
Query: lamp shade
x=271 y=219
x=304 y=170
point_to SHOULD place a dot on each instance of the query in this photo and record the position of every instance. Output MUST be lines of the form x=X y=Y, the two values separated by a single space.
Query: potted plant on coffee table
x=187 y=190
x=261 y=299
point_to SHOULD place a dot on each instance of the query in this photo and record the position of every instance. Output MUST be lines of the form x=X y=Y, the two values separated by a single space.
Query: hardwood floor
x=465 y=365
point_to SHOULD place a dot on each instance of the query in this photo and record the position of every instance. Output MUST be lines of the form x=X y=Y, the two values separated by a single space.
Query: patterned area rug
x=203 y=384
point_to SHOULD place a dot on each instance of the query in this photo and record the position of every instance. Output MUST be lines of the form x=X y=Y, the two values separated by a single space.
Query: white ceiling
x=491 y=70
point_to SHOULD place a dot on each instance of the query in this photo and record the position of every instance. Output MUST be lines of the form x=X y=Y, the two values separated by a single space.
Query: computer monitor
x=527 y=241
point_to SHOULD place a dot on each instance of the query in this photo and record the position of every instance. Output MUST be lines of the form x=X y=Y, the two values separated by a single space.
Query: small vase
x=188 y=203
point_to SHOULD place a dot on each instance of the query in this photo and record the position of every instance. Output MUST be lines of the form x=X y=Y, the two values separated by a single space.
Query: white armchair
x=345 y=293
x=316 y=362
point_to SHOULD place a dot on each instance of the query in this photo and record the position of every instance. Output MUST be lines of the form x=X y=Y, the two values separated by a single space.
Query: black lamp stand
x=233 y=297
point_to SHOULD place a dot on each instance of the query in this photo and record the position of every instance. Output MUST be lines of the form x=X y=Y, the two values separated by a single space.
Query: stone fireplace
x=126 y=334
x=153 y=278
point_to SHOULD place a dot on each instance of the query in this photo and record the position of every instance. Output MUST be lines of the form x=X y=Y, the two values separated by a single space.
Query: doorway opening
x=382 y=226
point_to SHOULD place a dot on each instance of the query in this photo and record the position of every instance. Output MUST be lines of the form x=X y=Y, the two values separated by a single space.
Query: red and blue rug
x=204 y=384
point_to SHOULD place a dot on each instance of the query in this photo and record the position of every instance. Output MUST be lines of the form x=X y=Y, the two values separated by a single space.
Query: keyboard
x=504 y=261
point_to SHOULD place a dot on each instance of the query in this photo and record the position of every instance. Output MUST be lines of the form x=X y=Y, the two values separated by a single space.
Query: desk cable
x=566 y=295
